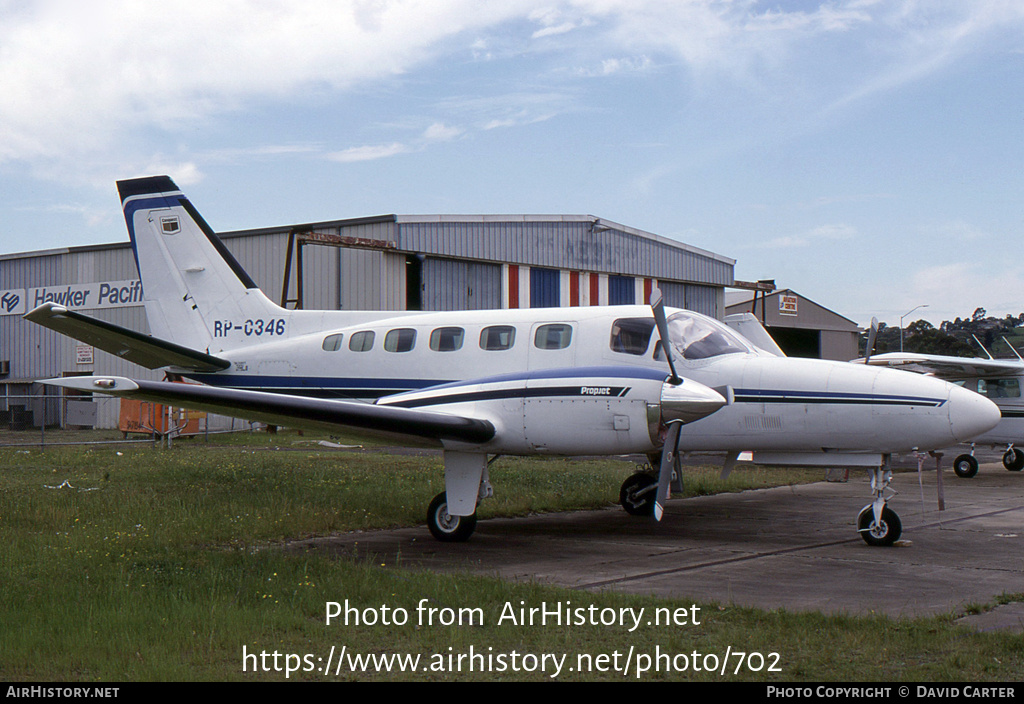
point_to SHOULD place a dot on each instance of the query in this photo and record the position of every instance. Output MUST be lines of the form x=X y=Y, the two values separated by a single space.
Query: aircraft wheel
x=633 y=496
x=1013 y=460
x=965 y=466
x=444 y=526
x=884 y=533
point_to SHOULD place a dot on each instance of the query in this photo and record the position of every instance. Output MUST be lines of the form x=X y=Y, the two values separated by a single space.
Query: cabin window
x=497 y=337
x=332 y=343
x=999 y=388
x=631 y=335
x=446 y=339
x=553 y=337
x=400 y=340
x=361 y=341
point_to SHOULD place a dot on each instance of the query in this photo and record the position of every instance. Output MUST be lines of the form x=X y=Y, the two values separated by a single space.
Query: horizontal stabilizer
x=326 y=415
x=144 y=350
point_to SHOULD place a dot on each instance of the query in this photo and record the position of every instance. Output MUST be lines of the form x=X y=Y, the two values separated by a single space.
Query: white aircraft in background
x=552 y=381
x=1000 y=380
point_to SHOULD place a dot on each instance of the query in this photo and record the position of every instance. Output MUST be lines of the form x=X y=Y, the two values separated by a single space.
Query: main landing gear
x=451 y=516
x=966 y=465
x=1013 y=459
x=640 y=490
x=446 y=527
x=637 y=494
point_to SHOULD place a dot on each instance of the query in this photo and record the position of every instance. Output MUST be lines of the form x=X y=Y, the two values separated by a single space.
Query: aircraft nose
x=970 y=414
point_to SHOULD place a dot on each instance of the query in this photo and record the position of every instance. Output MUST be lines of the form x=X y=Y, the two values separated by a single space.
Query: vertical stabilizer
x=196 y=293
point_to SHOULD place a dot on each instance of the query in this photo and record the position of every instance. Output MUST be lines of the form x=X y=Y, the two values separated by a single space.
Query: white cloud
x=439 y=132
x=832 y=233
x=92 y=81
x=368 y=153
x=77 y=76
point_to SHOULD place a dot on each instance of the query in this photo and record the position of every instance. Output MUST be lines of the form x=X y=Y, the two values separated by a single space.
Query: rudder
x=194 y=290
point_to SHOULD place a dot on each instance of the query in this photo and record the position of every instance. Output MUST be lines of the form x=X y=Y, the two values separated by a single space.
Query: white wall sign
x=787 y=304
x=84 y=354
x=104 y=294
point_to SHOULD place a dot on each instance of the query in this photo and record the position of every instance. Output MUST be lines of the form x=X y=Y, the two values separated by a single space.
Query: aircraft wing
x=327 y=415
x=946 y=367
x=145 y=350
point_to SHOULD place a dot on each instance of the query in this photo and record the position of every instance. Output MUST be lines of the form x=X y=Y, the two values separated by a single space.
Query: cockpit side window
x=631 y=335
x=697 y=337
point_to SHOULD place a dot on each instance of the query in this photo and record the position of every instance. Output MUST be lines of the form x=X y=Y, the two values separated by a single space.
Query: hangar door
x=621 y=290
x=701 y=299
x=545 y=287
x=796 y=342
x=454 y=284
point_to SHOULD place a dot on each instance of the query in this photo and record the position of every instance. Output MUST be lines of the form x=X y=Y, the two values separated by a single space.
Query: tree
x=922 y=337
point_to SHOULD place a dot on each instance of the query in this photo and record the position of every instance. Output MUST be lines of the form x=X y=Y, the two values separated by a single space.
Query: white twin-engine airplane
x=565 y=381
x=1000 y=380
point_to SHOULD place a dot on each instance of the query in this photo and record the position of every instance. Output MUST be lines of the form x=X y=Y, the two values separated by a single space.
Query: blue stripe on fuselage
x=782 y=396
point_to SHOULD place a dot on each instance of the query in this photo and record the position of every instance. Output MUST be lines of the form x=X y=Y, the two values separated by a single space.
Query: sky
x=868 y=154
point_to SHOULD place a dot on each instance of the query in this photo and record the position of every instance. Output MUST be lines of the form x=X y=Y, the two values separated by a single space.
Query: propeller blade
x=658 y=306
x=668 y=460
x=870 y=348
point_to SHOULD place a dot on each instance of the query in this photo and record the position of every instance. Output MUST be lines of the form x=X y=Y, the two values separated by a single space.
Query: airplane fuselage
x=608 y=372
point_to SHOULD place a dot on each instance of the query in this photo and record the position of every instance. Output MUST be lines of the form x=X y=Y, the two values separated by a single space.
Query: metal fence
x=47 y=419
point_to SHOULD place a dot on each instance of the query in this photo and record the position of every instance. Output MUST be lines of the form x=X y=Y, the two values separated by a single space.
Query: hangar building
x=801 y=327
x=390 y=262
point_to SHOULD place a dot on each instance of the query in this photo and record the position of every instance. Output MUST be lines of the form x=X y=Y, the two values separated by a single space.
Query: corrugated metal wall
x=564 y=245
x=451 y=284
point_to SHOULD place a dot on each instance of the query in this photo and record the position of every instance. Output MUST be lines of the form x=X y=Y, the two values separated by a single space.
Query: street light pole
x=924 y=305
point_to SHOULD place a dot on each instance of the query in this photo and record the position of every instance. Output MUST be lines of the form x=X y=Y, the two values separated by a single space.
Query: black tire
x=882 y=535
x=1013 y=460
x=965 y=466
x=633 y=496
x=445 y=527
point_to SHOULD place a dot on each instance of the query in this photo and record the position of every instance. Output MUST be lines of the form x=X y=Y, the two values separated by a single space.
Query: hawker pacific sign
x=105 y=294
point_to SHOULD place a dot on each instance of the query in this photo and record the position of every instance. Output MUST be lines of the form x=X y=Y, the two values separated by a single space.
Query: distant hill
x=955 y=338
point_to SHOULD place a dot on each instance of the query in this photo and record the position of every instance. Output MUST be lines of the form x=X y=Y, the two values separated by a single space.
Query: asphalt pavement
x=794 y=548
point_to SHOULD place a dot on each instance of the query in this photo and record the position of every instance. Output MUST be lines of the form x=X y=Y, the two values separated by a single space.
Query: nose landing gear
x=877 y=523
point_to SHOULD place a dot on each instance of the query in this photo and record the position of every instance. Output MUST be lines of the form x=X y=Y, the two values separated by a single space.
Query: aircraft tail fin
x=196 y=293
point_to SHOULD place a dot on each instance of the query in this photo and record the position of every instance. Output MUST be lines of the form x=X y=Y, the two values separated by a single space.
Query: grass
x=153 y=565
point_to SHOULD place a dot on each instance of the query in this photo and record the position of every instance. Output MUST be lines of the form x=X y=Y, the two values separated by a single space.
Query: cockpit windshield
x=697 y=337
